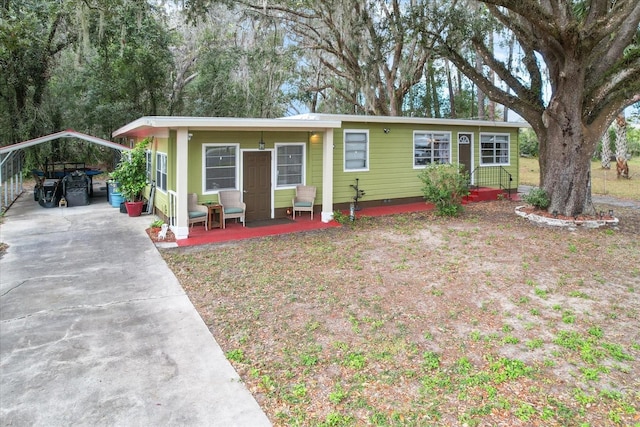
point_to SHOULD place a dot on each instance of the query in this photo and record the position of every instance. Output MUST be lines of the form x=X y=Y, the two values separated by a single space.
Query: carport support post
x=327 y=175
x=181 y=229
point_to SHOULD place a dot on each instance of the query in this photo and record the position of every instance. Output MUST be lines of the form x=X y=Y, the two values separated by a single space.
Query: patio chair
x=303 y=201
x=197 y=213
x=232 y=206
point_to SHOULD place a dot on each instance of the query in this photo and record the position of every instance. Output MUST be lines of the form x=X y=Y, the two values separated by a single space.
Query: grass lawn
x=603 y=181
x=412 y=320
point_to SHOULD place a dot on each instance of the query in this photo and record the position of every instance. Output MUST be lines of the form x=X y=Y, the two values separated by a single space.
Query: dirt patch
x=413 y=319
x=153 y=235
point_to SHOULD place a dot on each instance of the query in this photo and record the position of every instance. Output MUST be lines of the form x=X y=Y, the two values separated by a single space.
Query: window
x=149 y=167
x=220 y=167
x=161 y=171
x=430 y=148
x=289 y=164
x=494 y=149
x=356 y=150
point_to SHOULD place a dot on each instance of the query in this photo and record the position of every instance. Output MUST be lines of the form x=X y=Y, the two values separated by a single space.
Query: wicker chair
x=197 y=213
x=303 y=201
x=232 y=206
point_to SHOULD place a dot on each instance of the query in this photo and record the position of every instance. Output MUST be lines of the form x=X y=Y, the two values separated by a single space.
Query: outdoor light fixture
x=386 y=130
x=261 y=142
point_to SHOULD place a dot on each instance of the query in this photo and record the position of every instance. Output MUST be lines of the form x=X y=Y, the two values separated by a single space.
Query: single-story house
x=266 y=158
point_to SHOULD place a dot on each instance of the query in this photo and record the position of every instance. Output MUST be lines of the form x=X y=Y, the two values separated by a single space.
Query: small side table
x=215 y=210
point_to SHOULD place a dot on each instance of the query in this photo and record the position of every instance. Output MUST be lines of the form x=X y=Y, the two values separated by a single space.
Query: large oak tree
x=589 y=51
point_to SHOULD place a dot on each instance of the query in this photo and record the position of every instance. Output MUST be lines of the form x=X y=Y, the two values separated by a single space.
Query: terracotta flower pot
x=134 y=208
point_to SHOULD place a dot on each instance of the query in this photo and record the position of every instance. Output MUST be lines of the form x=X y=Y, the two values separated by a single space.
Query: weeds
x=513 y=333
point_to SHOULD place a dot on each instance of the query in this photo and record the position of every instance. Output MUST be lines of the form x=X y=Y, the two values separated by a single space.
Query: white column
x=181 y=229
x=327 y=175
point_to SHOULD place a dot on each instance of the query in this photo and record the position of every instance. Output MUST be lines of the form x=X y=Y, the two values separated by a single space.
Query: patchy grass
x=415 y=319
x=603 y=181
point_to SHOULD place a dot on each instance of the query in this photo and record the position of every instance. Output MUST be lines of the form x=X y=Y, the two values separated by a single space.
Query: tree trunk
x=452 y=94
x=434 y=93
x=605 y=153
x=565 y=158
x=481 y=95
x=622 y=146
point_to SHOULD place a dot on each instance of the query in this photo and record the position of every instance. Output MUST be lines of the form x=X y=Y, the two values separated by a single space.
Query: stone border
x=555 y=222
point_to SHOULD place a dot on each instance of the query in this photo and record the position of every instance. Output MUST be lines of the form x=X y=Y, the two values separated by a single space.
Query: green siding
x=391 y=173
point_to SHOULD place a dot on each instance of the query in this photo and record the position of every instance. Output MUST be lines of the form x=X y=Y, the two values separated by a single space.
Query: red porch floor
x=235 y=231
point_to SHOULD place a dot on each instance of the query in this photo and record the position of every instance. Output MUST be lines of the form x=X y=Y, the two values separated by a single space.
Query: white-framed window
x=148 y=158
x=356 y=150
x=494 y=149
x=290 y=164
x=431 y=148
x=220 y=167
x=161 y=171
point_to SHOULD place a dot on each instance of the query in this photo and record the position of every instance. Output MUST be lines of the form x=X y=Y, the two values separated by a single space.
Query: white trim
x=327 y=175
x=471 y=157
x=204 y=166
x=413 y=145
x=275 y=163
x=508 y=163
x=408 y=120
x=159 y=125
x=182 y=184
x=344 y=150
x=155 y=174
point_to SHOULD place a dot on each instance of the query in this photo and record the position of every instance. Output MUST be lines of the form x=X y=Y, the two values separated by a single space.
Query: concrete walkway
x=96 y=330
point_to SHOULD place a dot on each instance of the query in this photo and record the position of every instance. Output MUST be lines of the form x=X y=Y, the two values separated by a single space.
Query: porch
x=235 y=231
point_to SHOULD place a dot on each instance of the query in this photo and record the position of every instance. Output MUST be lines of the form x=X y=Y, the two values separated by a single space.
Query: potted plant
x=131 y=176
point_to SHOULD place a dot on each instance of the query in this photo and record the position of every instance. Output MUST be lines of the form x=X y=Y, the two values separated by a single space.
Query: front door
x=465 y=140
x=256 y=179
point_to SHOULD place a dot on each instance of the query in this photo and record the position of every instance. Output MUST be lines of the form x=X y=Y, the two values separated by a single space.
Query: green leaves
x=445 y=185
x=131 y=172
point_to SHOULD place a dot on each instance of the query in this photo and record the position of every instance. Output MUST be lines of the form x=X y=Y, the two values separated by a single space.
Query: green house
x=266 y=158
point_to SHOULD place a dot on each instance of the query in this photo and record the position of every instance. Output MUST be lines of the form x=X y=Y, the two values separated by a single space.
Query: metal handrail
x=491 y=176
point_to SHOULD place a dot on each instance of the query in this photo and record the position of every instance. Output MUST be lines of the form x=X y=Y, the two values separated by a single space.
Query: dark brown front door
x=256 y=178
x=464 y=150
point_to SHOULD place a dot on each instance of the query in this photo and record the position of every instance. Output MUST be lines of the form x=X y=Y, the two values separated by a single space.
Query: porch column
x=181 y=229
x=327 y=175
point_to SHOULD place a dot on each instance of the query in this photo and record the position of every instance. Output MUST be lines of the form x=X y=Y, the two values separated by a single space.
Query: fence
x=11 y=181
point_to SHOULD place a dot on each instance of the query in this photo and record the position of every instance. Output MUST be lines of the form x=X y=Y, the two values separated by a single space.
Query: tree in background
x=242 y=66
x=622 y=147
x=32 y=34
x=87 y=65
x=605 y=151
x=590 y=51
x=361 y=57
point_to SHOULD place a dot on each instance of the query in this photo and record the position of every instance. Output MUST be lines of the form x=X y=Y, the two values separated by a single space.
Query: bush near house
x=445 y=185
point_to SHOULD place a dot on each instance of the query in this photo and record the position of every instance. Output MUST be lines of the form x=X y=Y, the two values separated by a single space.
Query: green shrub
x=538 y=198
x=341 y=218
x=131 y=172
x=445 y=185
x=528 y=143
x=157 y=223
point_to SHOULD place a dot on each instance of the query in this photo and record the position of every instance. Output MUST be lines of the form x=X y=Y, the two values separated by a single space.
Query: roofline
x=69 y=133
x=409 y=120
x=148 y=125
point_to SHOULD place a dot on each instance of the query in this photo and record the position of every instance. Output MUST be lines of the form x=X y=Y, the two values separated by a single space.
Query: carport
x=12 y=160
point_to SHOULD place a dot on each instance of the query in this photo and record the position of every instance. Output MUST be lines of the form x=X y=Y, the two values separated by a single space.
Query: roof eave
x=146 y=126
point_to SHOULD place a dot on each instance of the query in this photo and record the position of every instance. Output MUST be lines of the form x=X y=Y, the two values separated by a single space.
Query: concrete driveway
x=96 y=330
